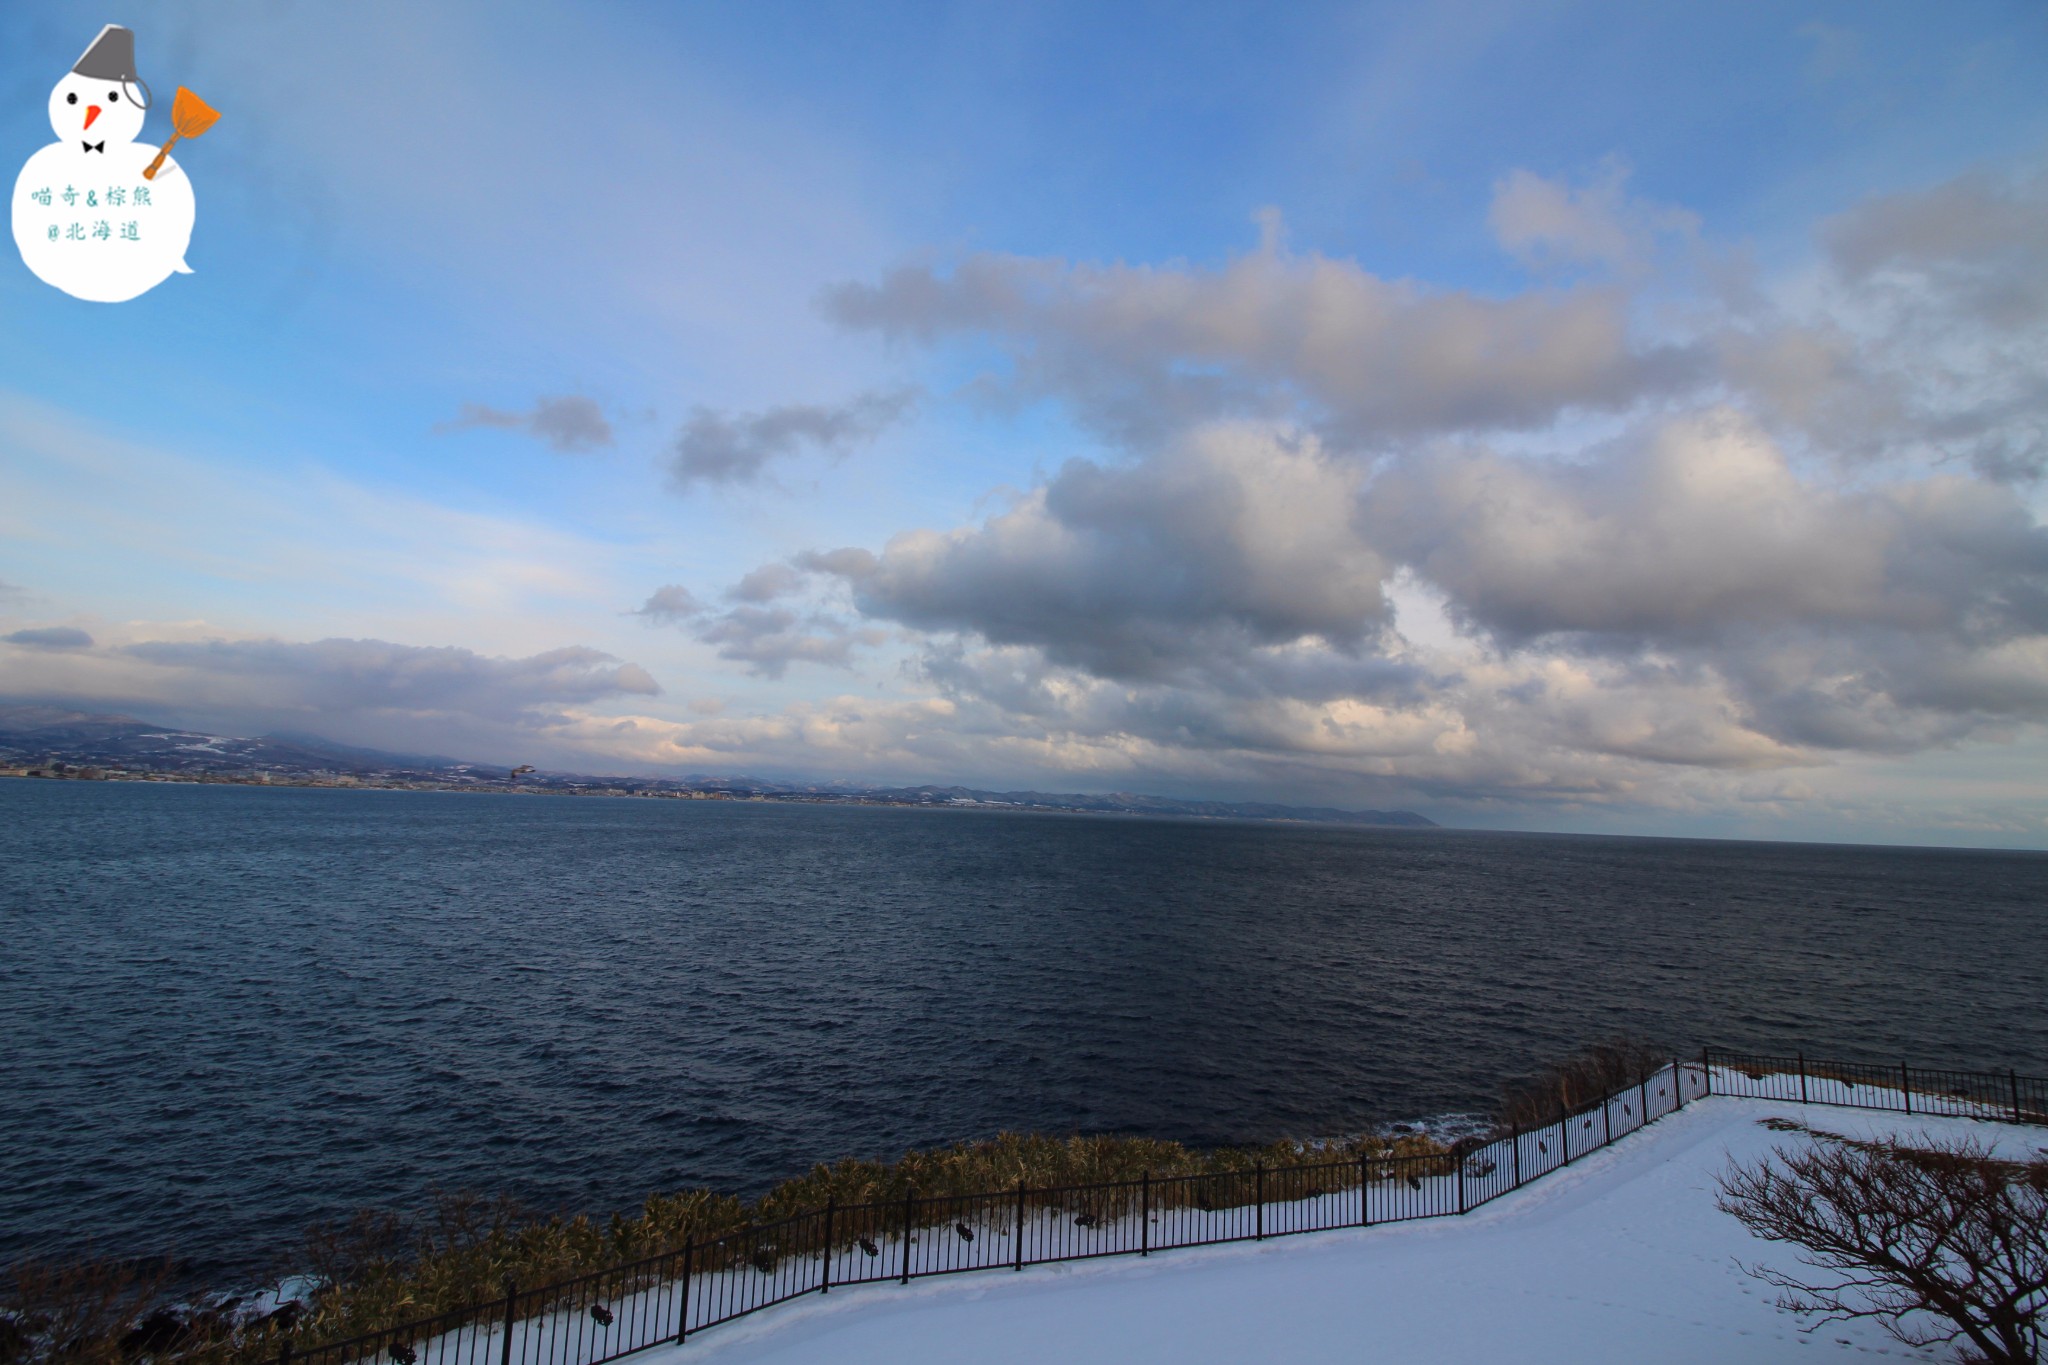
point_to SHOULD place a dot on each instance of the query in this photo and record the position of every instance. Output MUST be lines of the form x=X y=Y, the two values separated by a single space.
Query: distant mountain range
x=1130 y=803
x=52 y=741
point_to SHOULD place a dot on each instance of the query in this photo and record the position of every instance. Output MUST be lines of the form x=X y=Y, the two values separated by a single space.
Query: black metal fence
x=614 y=1312
x=1932 y=1091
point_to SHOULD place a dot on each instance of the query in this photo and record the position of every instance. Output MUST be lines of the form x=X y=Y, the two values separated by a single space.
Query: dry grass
x=1879 y=1076
x=83 y=1313
x=1595 y=1070
x=379 y=1270
x=1041 y=1162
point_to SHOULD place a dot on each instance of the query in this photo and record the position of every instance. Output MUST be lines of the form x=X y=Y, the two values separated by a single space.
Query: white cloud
x=1923 y=338
x=670 y=605
x=1698 y=528
x=767 y=583
x=766 y=638
x=1798 y=541
x=1144 y=352
x=769 y=639
x=1545 y=223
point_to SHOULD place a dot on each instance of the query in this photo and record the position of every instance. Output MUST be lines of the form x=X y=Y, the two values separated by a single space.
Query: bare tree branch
x=1938 y=1244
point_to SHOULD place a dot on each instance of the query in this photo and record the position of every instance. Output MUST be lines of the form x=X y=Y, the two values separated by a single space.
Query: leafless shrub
x=1593 y=1071
x=1941 y=1244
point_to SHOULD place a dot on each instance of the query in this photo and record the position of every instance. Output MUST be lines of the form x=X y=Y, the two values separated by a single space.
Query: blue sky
x=1556 y=416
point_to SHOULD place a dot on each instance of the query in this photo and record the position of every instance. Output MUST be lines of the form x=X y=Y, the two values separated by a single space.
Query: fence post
x=1677 y=1087
x=1259 y=1227
x=1517 y=1150
x=1365 y=1183
x=1461 y=1183
x=1906 y=1083
x=689 y=1257
x=1564 y=1130
x=1643 y=1098
x=909 y=1198
x=1706 y=1074
x=511 y=1306
x=1606 y=1121
x=2015 y=1095
x=1145 y=1217
x=1020 y=1224
x=1802 y=1078
x=825 y=1283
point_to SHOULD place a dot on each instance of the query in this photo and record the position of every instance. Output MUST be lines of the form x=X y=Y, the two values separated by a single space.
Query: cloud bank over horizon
x=1595 y=511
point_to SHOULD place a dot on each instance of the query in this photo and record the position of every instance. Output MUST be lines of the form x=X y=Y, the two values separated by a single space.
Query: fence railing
x=1932 y=1091
x=614 y=1312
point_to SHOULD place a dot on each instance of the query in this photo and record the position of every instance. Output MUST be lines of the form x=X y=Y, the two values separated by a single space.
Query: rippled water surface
x=227 y=1012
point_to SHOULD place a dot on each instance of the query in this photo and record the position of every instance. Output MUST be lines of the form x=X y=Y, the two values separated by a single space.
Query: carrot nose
x=92 y=111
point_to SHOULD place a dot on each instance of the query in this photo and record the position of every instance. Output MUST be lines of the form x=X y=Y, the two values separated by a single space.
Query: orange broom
x=190 y=116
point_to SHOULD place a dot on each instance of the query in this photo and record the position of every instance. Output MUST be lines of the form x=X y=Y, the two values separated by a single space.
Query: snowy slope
x=1623 y=1257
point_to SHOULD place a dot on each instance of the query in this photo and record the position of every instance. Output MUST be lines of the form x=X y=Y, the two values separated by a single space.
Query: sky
x=1574 y=416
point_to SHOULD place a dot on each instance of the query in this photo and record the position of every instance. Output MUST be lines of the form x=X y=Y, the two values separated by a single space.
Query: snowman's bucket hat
x=112 y=58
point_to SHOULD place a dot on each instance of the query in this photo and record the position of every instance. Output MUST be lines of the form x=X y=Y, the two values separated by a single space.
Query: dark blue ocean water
x=228 y=1012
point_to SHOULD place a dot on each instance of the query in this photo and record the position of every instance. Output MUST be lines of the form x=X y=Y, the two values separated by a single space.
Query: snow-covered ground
x=1621 y=1257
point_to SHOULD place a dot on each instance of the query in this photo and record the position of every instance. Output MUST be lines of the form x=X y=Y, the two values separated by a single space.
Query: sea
x=229 y=1013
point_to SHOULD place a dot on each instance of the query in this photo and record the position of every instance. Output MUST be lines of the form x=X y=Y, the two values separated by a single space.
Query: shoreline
x=734 y=795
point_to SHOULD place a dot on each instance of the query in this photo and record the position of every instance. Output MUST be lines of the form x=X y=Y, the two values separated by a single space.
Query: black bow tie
x=99 y=146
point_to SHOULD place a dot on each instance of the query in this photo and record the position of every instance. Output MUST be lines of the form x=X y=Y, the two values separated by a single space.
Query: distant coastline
x=56 y=744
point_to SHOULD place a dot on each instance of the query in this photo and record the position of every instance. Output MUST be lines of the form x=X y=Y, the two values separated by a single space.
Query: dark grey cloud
x=1234 y=542
x=1682 y=596
x=340 y=676
x=572 y=424
x=721 y=448
x=50 y=637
